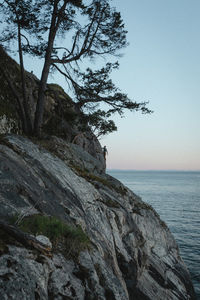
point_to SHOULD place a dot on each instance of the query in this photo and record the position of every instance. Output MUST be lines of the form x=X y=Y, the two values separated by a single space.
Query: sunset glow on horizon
x=162 y=66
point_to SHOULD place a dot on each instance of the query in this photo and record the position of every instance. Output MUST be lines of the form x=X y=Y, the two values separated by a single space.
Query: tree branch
x=25 y=39
x=85 y=48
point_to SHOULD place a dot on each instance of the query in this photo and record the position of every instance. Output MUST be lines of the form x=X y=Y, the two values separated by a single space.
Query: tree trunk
x=38 y=122
x=28 y=124
x=16 y=96
x=41 y=96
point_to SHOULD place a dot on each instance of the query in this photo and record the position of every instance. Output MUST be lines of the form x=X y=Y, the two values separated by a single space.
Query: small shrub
x=70 y=239
x=48 y=226
x=75 y=241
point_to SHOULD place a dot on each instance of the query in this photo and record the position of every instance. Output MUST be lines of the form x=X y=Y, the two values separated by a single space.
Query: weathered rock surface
x=133 y=255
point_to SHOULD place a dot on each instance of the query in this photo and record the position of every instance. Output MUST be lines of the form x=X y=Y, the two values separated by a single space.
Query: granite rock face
x=132 y=255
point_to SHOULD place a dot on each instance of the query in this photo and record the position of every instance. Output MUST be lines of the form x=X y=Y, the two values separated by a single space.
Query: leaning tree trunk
x=38 y=122
x=28 y=124
x=41 y=98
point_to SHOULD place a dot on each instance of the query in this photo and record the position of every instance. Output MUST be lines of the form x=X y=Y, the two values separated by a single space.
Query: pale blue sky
x=162 y=65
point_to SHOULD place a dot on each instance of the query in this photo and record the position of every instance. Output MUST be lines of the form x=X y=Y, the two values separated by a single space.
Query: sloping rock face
x=132 y=254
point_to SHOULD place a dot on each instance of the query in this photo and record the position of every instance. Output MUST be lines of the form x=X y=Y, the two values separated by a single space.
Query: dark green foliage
x=94 y=29
x=96 y=87
x=67 y=238
x=99 y=123
x=39 y=224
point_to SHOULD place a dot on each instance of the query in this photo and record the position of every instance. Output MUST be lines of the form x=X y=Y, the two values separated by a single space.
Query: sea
x=175 y=195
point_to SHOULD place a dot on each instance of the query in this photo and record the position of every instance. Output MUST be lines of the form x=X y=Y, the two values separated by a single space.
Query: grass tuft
x=69 y=239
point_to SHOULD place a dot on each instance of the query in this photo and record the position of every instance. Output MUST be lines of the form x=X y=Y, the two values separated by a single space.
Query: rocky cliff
x=62 y=117
x=129 y=254
x=67 y=229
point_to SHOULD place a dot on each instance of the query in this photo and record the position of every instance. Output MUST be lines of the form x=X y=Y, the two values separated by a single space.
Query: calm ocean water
x=176 y=197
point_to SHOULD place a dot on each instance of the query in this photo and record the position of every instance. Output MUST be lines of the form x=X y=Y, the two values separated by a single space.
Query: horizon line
x=152 y=170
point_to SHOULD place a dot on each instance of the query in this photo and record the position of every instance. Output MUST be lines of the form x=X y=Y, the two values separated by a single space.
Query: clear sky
x=161 y=65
